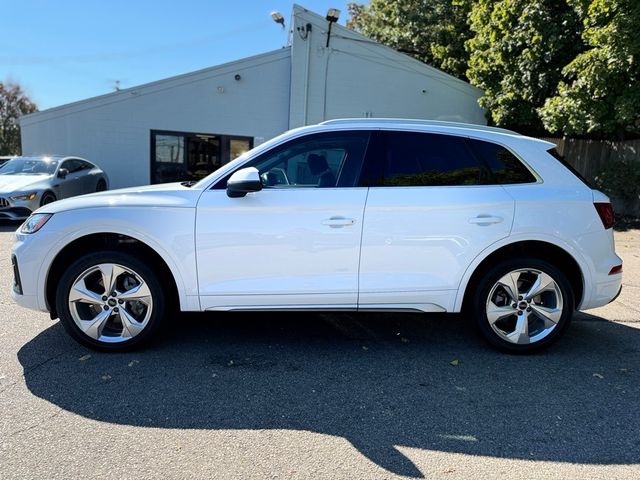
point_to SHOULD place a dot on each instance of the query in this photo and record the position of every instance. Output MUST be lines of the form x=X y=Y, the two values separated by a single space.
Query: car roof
x=434 y=126
x=52 y=157
x=385 y=122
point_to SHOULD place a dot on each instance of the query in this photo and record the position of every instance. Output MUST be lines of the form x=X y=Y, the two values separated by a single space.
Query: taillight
x=605 y=212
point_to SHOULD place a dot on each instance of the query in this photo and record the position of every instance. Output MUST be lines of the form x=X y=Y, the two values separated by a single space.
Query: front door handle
x=485 y=220
x=337 y=222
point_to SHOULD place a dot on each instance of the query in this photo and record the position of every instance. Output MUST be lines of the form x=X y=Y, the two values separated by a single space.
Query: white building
x=184 y=127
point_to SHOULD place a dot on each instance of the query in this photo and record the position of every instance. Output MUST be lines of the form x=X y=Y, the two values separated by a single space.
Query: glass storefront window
x=239 y=146
x=169 y=158
x=183 y=156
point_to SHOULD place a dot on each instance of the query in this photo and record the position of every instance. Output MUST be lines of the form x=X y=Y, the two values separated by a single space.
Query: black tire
x=47 y=198
x=480 y=298
x=101 y=186
x=149 y=276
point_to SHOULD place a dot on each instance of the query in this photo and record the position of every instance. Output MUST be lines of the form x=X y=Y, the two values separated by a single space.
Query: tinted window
x=85 y=165
x=504 y=165
x=70 y=165
x=75 y=165
x=425 y=159
x=320 y=160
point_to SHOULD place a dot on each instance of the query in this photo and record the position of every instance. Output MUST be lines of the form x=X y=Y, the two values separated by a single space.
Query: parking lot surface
x=322 y=396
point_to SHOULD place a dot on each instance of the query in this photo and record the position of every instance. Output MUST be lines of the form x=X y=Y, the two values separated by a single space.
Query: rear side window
x=504 y=165
x=85 y=165
x=423 y=159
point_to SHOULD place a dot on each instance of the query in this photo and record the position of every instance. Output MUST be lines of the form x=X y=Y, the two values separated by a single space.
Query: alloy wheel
x=524 y=306
x=110 y=303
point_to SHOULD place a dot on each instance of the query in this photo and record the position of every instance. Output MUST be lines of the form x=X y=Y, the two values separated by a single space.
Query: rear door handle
x=485 y=220
x=337 y=222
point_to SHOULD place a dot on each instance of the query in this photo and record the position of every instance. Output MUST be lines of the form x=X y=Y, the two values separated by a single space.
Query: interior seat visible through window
x=322 y=160
x=318 y=166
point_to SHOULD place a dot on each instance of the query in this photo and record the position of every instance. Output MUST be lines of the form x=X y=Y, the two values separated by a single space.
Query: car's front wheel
x=110 y=301
x=47 y=198
x=523 y=305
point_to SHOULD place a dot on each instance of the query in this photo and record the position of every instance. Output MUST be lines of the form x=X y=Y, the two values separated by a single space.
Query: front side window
x=322 y=160
x=425 y=159
x=71 y=165
x=75 y=165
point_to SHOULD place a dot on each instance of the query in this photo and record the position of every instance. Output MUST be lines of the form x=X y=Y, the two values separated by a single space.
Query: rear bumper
x=604 y=292
x=617 y=295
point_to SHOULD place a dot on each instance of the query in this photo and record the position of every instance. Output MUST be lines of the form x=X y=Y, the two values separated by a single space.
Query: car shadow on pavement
x=379 y=381
x=9 y=226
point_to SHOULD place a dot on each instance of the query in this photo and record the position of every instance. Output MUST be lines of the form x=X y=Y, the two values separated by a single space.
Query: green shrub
x=620 y=178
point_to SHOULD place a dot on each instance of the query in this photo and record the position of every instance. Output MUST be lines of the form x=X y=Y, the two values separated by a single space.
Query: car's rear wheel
x=110 y=301
x=47 y=198
x=523 y=305
x=101 y=186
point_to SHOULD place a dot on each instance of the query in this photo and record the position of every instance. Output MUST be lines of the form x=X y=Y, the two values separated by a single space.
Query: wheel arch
x=542 y=249
x=94 y=242
x=50 y=191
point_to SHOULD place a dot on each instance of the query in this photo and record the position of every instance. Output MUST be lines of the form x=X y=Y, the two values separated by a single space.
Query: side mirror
x=62 y=173
x=244 y=181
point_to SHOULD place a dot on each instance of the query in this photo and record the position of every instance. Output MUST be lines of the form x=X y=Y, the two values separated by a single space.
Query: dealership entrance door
x=183 y=156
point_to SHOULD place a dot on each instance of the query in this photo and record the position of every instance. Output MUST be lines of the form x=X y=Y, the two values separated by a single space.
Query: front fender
x=168 y=231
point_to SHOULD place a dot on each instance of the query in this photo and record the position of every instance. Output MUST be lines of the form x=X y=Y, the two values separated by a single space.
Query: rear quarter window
x=505 y=167
x=554 y=153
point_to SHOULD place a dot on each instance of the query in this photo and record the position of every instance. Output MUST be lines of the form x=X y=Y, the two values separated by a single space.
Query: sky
x=61 y=51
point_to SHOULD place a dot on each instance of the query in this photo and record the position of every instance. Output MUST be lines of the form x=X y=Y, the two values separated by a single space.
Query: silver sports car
x=27 y=183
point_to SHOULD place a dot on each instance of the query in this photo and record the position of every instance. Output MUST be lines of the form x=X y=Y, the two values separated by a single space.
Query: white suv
x=366 y=215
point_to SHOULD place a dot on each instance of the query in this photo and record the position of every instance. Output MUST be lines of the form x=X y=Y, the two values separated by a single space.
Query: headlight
x=35 y=222
x=24 y=196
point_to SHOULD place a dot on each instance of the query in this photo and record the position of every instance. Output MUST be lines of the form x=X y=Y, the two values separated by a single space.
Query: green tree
x=433 y=31
x=13 y=104
x=517 y=54
x=601 y=91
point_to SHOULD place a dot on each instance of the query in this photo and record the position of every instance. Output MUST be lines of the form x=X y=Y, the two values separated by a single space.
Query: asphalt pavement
x=331 y=396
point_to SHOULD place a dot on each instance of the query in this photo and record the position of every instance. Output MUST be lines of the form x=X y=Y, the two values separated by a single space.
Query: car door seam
x=364 y=212
x=513 y=208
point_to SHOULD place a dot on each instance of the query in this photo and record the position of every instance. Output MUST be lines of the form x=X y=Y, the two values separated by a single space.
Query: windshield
x=29 y=166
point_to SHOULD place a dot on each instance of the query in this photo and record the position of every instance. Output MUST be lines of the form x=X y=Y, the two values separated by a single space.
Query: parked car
x=4 y=159
x=366 y=215
x=27 y=183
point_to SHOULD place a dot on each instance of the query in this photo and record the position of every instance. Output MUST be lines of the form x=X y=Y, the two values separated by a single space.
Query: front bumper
x=30 y=253
x=27 y=301
x=17 y=210
x=18 y=213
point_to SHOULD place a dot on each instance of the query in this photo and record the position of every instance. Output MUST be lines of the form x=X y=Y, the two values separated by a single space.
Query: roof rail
x=413 y=121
